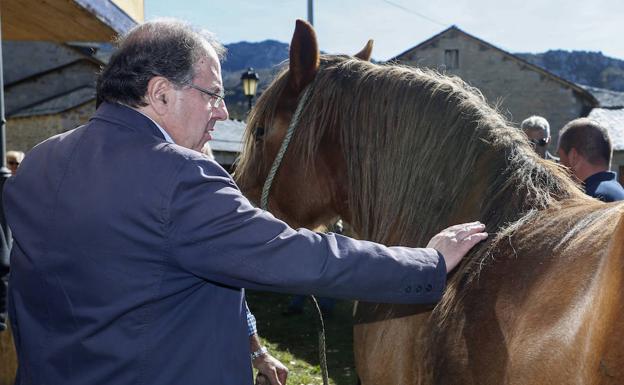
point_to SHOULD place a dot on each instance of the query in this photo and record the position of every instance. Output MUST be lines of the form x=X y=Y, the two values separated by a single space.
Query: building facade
x=519 y=88
x=49 y=89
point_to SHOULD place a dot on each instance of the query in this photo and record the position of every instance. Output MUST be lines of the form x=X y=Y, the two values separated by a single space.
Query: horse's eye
x=259 y=133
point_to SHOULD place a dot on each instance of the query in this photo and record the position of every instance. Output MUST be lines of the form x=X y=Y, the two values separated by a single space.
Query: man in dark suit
x=131 y=247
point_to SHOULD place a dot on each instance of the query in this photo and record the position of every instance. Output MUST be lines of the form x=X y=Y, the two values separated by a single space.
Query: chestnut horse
x=401 y=153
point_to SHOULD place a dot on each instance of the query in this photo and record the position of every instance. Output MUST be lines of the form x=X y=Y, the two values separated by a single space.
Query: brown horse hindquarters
x=547 y=310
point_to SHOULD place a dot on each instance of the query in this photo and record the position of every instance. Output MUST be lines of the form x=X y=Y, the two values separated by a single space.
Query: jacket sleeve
x=215 y=233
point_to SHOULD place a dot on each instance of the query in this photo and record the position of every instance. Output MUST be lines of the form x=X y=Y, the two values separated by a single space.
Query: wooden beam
x=57 y=20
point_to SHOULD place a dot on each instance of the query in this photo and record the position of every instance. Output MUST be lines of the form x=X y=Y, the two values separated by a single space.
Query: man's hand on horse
x=273 y=370
x=456 y=241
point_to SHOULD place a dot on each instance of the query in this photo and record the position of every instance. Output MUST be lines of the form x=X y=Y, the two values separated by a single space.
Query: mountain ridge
x=587 y=68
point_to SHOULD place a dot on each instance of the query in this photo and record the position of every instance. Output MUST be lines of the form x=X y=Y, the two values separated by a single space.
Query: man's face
x=539 y=140
x=191 y=116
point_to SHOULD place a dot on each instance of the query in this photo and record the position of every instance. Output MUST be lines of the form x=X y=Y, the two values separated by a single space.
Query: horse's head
x=304 y=191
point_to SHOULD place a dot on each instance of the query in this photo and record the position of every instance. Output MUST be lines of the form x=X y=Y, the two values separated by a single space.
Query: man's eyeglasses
x=216 y=100
x=541 y=142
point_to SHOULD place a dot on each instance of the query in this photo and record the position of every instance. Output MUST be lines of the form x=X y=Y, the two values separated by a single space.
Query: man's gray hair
x=165 y=47
x=536 y=123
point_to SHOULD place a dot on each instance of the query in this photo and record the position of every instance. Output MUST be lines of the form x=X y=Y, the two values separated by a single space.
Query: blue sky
x=343 y=26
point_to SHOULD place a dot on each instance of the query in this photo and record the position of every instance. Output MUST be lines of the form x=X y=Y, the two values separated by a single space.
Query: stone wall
x=22 y=134
x=518 y=89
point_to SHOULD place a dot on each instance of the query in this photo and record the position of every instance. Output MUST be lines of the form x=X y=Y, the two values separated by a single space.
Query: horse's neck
x=495 y=199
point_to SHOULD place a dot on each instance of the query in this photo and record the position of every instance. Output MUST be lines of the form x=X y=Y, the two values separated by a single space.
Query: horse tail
x=606 y=347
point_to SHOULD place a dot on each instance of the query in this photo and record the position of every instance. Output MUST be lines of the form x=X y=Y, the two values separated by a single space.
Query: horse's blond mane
x=417 y=144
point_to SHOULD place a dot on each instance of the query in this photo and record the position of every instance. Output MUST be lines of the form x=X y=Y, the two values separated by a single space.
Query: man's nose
x=221 y=112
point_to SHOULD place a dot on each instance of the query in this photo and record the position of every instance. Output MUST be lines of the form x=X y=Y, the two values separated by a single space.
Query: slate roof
x=607 y=98
x=44 y=87
x=228 y=136
x=22 y=60
x=58 y=103
x=613 y=120
x=47 y=78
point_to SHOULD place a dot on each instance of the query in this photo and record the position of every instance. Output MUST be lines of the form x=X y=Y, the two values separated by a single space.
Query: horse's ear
x=365 y=53
x=304 y=56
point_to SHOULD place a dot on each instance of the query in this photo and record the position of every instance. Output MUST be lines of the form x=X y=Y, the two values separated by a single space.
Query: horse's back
x=546 y=310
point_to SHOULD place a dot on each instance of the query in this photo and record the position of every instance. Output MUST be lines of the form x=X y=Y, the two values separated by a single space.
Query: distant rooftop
x=228 y=136
x=58 y=103
x=22 y=60
x=613 y=120
x=607 y=98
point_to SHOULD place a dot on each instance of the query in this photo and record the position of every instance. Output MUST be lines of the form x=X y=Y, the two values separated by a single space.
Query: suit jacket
x=130 y=254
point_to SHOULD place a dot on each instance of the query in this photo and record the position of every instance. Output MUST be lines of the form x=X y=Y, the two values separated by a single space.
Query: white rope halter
x=264 y=204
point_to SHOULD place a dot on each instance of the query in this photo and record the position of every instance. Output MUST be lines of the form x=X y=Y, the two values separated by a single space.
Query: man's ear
x=573 y=156
x=158 y=94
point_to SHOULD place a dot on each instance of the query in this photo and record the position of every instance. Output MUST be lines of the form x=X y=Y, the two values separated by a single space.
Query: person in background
x=14 y=159
x=5 y=249
x=585 y=148
x=537 y=129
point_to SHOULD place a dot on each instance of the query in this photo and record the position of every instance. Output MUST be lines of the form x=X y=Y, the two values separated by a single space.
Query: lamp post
x=250 y=84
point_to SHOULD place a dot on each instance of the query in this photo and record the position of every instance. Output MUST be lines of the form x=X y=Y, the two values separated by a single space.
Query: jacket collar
x=127 y=117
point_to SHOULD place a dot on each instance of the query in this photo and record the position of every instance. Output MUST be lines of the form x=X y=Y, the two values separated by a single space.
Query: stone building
x=519 y=88
x=49 y=89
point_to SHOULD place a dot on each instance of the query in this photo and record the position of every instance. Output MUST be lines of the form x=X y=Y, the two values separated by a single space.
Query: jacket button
x=418 y=289
x=428 y=287
x=408 y=289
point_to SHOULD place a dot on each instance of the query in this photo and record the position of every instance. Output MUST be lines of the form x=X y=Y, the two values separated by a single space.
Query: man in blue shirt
x=585 y=148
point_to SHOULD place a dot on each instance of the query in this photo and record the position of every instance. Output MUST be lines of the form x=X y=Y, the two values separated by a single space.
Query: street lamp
x=250 y=83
